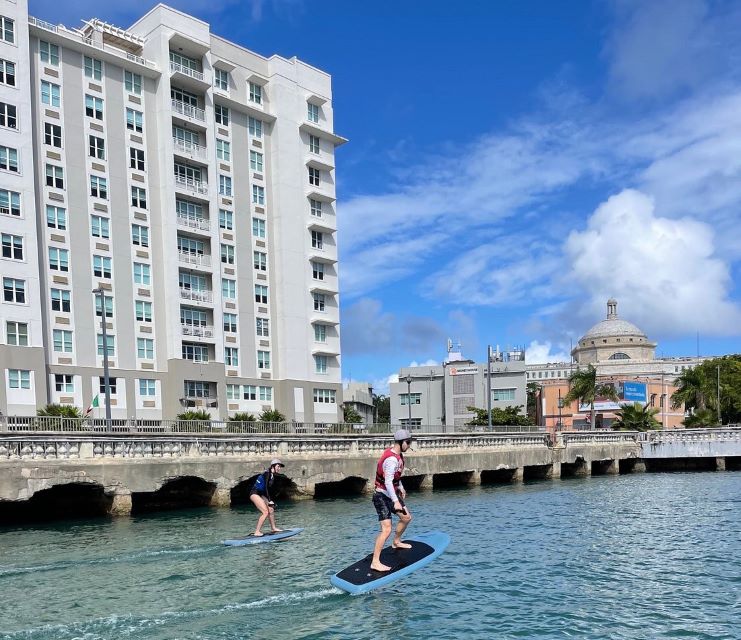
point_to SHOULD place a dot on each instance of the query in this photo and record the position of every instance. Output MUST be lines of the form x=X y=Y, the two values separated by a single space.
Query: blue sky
x=513 y=165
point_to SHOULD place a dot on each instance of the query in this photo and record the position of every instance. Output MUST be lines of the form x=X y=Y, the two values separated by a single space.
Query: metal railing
x=199 y=259
x=200 y=295
x=176 y=67
x=200 y=331
x=188 y=110
x=191 y=184
x=194 y=223
x=191 y=148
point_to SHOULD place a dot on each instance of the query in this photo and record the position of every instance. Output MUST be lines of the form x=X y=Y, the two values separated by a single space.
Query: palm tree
x=637 y=417
x=583 y=387
x=690 y=384
x=701 y=418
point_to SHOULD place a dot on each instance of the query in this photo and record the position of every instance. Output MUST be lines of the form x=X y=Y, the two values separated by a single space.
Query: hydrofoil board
x=268 y=537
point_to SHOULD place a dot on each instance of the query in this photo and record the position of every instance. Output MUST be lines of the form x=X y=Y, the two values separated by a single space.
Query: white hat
x=402 y=434
x=275 y=461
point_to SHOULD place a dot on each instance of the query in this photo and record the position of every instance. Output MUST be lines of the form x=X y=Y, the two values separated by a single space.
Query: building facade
x=358 y=396
x=191 y=183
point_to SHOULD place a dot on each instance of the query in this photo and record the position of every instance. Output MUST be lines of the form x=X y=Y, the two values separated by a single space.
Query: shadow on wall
x=66 y=501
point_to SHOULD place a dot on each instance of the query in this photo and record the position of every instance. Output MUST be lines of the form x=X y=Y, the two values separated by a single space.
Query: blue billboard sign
x=634 y=392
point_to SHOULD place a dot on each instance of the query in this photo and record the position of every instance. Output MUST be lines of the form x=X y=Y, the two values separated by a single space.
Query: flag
x=93 y=405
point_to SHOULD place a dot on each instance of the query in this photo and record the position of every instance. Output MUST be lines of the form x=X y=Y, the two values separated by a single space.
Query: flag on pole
x=93 y=405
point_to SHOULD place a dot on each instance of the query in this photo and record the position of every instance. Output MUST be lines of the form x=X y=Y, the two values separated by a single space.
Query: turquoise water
x=640 y=556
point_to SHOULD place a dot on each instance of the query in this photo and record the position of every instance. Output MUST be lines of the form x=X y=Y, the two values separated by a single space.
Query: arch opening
x=185 y=492
x=61 y=502
x=282 y=489
x=498 y=476
x=450 y=480
x=350 y=486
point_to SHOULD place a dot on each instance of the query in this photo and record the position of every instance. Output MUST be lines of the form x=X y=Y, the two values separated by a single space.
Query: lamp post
x=720 y=420
x=106 y=377
x=488 y=386
x=409 y=399
x=560 y=406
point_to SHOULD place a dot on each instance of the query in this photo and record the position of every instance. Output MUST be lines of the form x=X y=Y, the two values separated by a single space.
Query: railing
x=200 y=295
x=191 y=148
x=200 y=331
x=176 y=67
x=691 y=436
x=200 y=259
x=191 y=184
x=585 y=437
x=194 y=223
x=188 y=110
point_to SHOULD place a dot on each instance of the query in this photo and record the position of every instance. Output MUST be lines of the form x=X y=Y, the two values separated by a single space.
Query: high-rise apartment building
x=191 y=183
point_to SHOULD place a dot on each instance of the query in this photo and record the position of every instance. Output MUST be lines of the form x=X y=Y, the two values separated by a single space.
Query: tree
x=271 y=415
x=701 y=418
x=690 y=392
x=382 y=406
x=585 y=388
x=509 y=416
x=194 y=415
x=60 y=411
x=532 y=401
x=350 y=415
x=637 y=417
x=698 y=390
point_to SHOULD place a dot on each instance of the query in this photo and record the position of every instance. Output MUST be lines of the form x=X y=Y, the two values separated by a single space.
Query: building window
x=223 y=150
x=261 y=294
x=258 y=228
x=266 y=394
x=138 y=197
x=194 y=352
x=134 y=120
x=14 y=290
x=320 y=333
x=230 y=322
x=225 y=185
x=313 y=144
x=233 y=392
x=317 y=270
x=101 y=267
x=312 y=112
x=58 y=259
x=112 y=385
x=410 y=398
x=62 y=341
x=221 y=115
x=255 y=127
x=93 y=68
x=8 y=115
x=99 y=187
x=133 y=82
x=19 y=379
x=110 y=345
x=136 y=159
x=94 y=107
x=326 y=396
x=181 y=62
x=17 y=333
x=60 y=300
x=145 y=348
x=262 y=326
x=258 y=194
x=228 y=288
x=256 y=161
x=227 y=254
x=99 y=227
x=10 y=203
x=320 y=364
x=96 y=147
x=193 y=317
x=108 y=307
x=142 y=274
x=231 y=356
x=9 y=159
x=319 y=301
x=139 y=235
x=314 y=176
x=255 y=93
x=64 y=382
x=147 y=387
x=143 y=311
x=52 y=134
x=249 y=392
x=317 y=239
x=503 y=395
x=54 y=176
x=226 y=219
x=7 y=29
x=260 y=260
x=263 y=359
x=221 y=79
x=7 y=72
x=49 y=53
x=12 y=246
x=316 y=207
x=50 y=93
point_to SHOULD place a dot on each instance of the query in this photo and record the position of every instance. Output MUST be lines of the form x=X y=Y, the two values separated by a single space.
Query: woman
x=260 y=496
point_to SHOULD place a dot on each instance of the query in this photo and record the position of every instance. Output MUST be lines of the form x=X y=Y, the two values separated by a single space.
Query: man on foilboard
x=389 y=497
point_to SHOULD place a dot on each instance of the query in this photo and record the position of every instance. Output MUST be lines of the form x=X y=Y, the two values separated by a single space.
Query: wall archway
x=183 y=492
x=60 y=502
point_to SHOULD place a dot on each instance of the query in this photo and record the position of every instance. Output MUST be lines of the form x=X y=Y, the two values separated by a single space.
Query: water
x=641 y=556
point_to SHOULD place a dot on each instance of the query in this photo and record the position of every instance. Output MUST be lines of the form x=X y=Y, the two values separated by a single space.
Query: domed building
x=613 y=339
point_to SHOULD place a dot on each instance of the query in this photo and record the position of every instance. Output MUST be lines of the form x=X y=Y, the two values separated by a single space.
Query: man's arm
x=390 y=465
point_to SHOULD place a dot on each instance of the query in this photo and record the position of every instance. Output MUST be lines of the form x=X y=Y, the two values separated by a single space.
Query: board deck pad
x=268 y=537
x=360 y=578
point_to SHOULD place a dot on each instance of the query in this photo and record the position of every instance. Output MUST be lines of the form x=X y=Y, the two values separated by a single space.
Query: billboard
x=628 y=393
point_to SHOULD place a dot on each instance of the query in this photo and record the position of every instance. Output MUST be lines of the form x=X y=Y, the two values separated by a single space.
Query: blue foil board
x=268 y=537
x=360 y=578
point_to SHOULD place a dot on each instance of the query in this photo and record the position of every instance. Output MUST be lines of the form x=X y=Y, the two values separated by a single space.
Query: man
x=389 y=496
x=260 y=496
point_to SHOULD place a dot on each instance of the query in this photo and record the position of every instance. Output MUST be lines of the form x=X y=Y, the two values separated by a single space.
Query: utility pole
x=720 y=420
x=488 y=385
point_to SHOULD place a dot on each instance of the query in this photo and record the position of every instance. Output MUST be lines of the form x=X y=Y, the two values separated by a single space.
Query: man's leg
x=404 y=520
x=381 y=538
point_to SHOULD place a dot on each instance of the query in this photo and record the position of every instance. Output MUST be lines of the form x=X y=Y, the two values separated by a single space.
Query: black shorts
x=384 y=505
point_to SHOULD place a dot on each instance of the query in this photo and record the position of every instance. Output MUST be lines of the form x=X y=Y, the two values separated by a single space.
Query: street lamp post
x=488 y=385
x=106 y=377
x=409 y=399
x=560 y=406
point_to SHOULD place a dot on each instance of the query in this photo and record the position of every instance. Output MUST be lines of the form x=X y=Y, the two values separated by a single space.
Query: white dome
x=612 y=326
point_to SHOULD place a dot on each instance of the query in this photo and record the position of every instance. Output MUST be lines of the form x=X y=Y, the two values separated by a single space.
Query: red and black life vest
x=380 y=481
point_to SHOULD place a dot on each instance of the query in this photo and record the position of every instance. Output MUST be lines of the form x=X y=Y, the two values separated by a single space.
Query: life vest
x=263 y=482
x=380 y=480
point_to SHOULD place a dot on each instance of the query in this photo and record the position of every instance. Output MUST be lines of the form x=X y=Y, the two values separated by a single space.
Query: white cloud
x=543 y=352
x=426 y=363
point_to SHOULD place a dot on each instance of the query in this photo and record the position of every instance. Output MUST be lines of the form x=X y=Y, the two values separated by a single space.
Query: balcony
x=190 y=149
x=191 y=222
x=197 y=295
x=198 y=331
x=196 y=259
x=176 y=67
x=188 y=110
x=192 y=185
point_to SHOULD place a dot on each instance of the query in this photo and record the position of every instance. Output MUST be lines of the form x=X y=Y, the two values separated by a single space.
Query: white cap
x=275 y=461
x=402 y=434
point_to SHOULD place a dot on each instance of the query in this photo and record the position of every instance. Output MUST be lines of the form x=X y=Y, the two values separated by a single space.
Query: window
x=225 y=185
x=140 y=235
x=195 y=352
x=221 y=79
x=49 y=53
x=7 y=73
x=255 y=127
x=50 y=93
x=132 y=82
x=110 y=345
x=99 y=227
x=317 y=239
x=316 y=207
x=233 y=392
x=17 y=333
x=228 y=288
x=320 y=333
x=14 y=290
x=93 y=68
x=410 y=398
x=249 y=392
x=19 y=379
x=260 y=260
x=255 y=93
x=187 y=173
x=227 y=254
x=99 y=187
x=96 y=147
x=226 y=219
x=9 y=159
x=258 y=194
x=319 y=301
x=320 y=364
x=258 y=228
x=101 y=267
x=54 y=176
x=193 y=317
x=185 y=97
x=191 y=246
x=56 y=218
x=183 y=63
x=136 y=159
x=256 y=161
x=263 y=359
x=64 y=382
x=52 y=134
x=58 y=259
x=266 y=394
x=261 y=294
x=326 y=396
x=145 y=348
x=8 y=116
x=60 y=300
x=317 y=270
x=134 y=120
x=12 y=246
x=139 y=197
x=62 y=341
x=230 y=322
x=314 y=176
x=112 y=385
x=142 y=274
x=221 y=115
x=10 y=203
x=223 y=150
x=94 y=107
x=313 y=144
x=147 y=387
x=143 y=311
x=262 y=326
x=231 y=356
x=312 y=112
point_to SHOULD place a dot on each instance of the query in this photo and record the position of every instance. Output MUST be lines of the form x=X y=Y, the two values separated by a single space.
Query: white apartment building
x=190 y=180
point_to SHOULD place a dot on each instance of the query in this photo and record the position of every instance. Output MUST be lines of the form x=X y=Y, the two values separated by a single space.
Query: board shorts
x=384 y=505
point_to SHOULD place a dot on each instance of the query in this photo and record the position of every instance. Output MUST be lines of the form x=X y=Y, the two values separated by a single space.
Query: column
x=519 y=474
x=720 y=464
x=554 y=473
x=221 y=497
x=613 y=468
x=426 y=483
x=121 y=504
x=474 y=478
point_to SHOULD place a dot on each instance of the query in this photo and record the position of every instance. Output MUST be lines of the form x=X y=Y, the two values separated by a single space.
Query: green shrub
x=194 y=415
x=271 y=415
x=242 y=416
x=60 y=411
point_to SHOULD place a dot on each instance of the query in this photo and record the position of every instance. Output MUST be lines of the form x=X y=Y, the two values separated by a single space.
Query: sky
x=511 y=166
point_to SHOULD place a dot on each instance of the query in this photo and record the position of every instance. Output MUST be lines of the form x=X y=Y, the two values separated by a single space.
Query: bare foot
x=380 y=567
x=258 y=534
x=398 y=544
x=276 y=530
